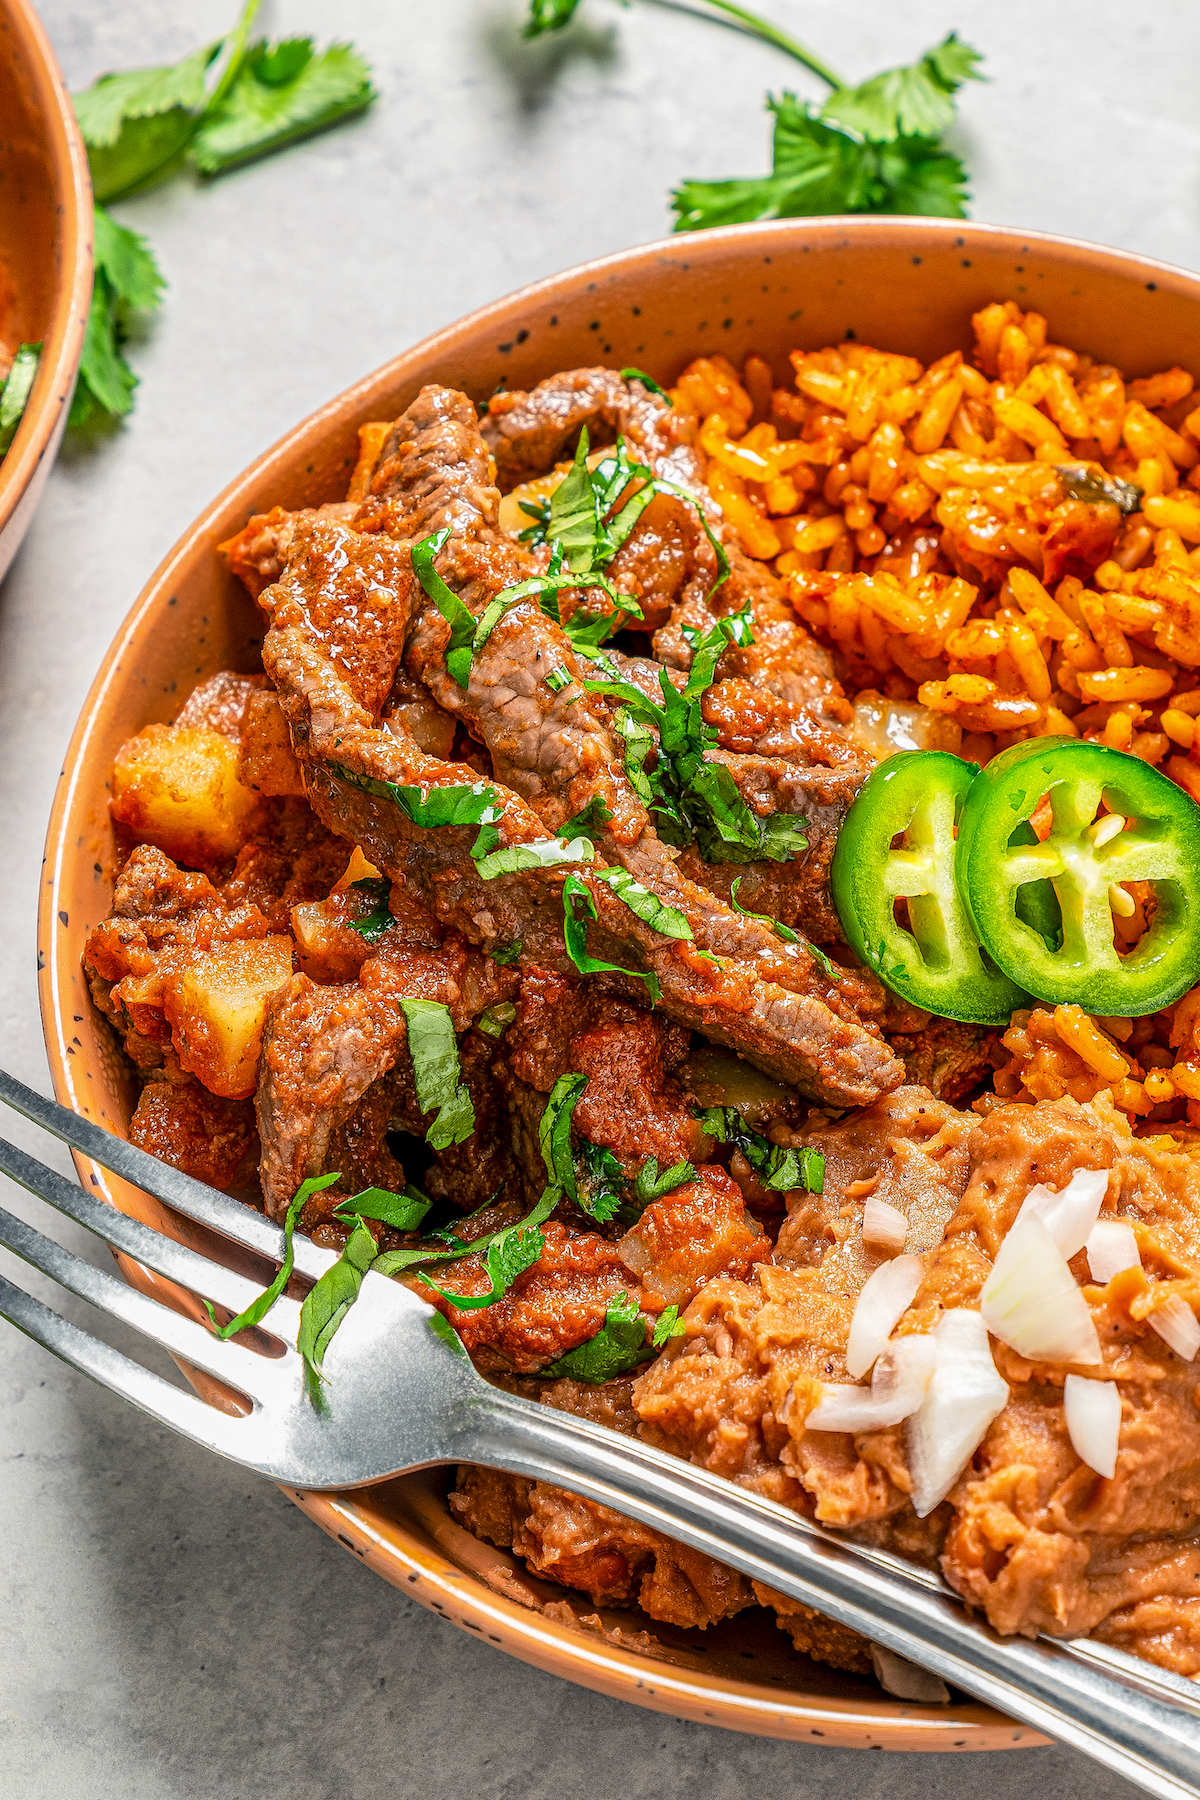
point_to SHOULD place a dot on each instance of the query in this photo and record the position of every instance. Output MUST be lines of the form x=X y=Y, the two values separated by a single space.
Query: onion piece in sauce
x=884 y=1227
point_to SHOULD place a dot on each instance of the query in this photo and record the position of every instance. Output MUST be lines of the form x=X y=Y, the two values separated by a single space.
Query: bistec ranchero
x=704 y=891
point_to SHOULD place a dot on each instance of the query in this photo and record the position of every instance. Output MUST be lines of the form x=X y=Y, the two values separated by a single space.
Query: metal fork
x=397 y=1397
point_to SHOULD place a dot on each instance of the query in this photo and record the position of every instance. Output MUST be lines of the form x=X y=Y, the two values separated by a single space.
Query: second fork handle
x=1143 y=1737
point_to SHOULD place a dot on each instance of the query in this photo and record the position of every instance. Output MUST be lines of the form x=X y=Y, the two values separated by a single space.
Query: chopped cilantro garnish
x=781 y=931
x=579 y=910
x=554 y=1132
x=435 y=807
x=825 y=963
x=1095 y=487
x=373 y=925
x=330 y=1300
x=506 y=954
x=590 y=820
x=543 y=853
x=647 y=382
x=620 y=1344
x=645 y=905
x=496 y=1020
x=692 y=798
x=601 y=1181
x=506 y=1254
x=434 y=1051
x=16 y=391
x=650 y=1185
x=259 y=1308
x=776 y=1168
x=403 y=1212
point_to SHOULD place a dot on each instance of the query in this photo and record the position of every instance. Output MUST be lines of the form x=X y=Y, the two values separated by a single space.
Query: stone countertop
x=174 y=1629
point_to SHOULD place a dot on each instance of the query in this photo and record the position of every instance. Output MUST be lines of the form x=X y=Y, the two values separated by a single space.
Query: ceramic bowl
x=45 y=253
x=905 y=284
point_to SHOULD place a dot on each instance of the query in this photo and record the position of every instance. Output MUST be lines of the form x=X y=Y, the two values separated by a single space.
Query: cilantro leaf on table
x=142 y=125
x=820 y=168
x=548 y=15
x=137 y=126
x=912 y=102
x=873 y=147
x=620 y=1344
x=127 y=281
x=281 y=94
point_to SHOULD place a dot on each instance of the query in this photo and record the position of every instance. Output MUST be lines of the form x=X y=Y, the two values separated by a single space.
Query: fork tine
x=183 y=1411
x=257 y=1376
x=178 y=1190
x=174 y=1260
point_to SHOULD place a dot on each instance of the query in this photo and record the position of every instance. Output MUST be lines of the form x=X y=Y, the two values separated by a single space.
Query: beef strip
x=326 y=1047
x=553 y=748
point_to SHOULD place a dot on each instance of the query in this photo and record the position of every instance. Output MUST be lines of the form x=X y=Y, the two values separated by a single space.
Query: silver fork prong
x=259 y=1377
x=178 y=1190
x=174 y=1406
x=147 y=1246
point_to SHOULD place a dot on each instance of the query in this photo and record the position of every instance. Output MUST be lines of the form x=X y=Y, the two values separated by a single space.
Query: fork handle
x=1151 y=1738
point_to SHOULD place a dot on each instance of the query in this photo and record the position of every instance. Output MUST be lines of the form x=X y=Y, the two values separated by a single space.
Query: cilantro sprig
x=875 y=147
x=222 y=105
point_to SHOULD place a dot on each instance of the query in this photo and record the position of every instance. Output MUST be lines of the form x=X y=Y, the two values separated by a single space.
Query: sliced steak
x=551 y=753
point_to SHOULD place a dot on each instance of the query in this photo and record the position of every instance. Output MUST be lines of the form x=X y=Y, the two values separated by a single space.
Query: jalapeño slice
x=1045 y=910
x=897 y=843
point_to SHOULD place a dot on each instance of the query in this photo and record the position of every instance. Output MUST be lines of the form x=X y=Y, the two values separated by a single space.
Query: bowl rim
x=45 y=415
x=398 y=1555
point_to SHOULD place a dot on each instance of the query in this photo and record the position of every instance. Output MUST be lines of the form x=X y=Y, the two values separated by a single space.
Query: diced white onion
x=896 y=1675
x=963 y=1397
x=1030 y=1300
x=884 y=1225
x=1111 y=1248
x=885 y=1298
x=1175 y=1323
x=1093 y=1414
x=898 y=1385
x=1069 y=1214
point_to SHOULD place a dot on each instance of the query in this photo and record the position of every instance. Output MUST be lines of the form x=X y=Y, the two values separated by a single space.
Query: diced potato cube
x=177 y=787
x=217 y=1008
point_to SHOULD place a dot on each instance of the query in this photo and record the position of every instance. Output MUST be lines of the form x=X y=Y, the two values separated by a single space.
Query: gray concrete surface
x=173 y=1630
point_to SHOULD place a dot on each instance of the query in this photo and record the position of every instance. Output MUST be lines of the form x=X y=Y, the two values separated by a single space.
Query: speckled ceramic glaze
x=902 y=284
x=45 y=253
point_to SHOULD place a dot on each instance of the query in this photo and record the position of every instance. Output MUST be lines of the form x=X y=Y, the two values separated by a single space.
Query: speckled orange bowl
x=45 y=253
x=904 y=284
